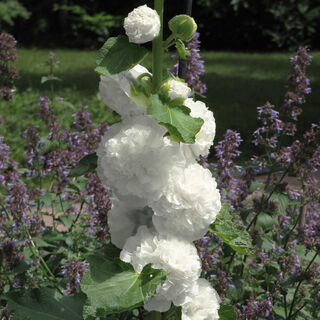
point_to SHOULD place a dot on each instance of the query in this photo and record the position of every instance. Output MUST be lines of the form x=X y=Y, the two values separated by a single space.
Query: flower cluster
x=8 y=73
x=74 y=272
x=165 y=199
x=298 y=87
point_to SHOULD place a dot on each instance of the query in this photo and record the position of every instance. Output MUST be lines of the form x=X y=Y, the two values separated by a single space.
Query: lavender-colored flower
x=226 y=151
x=5 y=314
x=298 y=87
x=10 y=254
x=8 y=73
x=74 y=272
x=267 y=135
x=195 y=66
x=99 y=205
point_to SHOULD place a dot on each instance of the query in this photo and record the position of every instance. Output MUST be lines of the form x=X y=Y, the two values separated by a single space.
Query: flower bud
x=183 y=27
x=176 y=88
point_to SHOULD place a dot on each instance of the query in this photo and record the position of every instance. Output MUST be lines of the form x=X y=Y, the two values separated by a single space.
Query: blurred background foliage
x=240 y=25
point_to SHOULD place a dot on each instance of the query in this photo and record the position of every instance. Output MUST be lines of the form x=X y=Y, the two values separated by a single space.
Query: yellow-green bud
x=183 y=27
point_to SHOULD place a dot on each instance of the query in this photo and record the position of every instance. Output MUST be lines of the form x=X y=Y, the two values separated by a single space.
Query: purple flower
x=74 y=272
x=8 y=73
x=195 y=66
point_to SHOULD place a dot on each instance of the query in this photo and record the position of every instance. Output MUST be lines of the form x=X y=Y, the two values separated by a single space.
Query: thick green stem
x=157 y=50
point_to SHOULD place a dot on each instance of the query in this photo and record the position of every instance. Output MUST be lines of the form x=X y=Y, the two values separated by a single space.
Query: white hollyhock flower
x=204 y=303
x=114 y=91
x=126 y=216
x=190 y=203
x=142 y=24
x=134 y=158
x=178 y=89
x=204 y=138
x=167 y=253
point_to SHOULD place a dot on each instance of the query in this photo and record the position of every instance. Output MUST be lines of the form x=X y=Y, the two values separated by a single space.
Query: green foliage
x=45 y=303
x=112 y=286
x=227 y=312
x=99 y=23
x=117 y=55
x=176 y=118
x=87 y=164
x=231 y=232
x=10 y=10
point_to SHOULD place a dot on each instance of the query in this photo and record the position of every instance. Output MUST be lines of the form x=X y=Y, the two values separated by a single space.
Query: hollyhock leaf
x=117 y=55
x=87 y=164
x=45 y=303
x=112 y=286
x=227 y=312
x=176 y=118
x=230 y=232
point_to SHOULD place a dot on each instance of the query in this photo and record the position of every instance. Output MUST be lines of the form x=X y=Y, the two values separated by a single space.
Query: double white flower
x=142 y=24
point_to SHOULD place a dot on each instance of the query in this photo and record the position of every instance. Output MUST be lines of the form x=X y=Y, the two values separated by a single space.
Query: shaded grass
x=237 y=84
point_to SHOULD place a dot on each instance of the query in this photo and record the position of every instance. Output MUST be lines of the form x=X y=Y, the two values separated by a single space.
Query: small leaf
x=67 y=220
x=255 y=185
x=117 y=55
x=41 y=243
x=87 y=164
x=112 y=286
x=264 y=221
x=45 y=303
x=279 y=311
x=227 y=312
x=182 y=50
x=283 y=200
x=45 y=79
x=230 y=232
x=181 y=126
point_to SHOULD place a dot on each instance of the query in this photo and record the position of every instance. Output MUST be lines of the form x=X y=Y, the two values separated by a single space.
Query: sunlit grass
x=237 y=84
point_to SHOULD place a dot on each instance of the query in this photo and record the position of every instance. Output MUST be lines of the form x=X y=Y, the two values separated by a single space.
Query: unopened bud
x=183 y=27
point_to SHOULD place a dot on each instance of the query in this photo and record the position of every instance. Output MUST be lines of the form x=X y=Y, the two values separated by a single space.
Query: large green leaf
x=87 y=164
x=231 y=232
x=176 y=118
x=112 y=286
x=45 y=303
x=227 y=312
x=117 y=55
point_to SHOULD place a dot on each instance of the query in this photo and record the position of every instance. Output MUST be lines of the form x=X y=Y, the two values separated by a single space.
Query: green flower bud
x=183 y=27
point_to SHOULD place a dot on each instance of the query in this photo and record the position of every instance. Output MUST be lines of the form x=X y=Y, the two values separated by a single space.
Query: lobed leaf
x=227 y=312
x=112 y=286
x=117 y=55
x=230 y=232
x=176 y=118
x=45 y=303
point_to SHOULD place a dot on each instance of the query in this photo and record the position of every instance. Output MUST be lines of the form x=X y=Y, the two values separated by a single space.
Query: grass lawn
x=237 y=84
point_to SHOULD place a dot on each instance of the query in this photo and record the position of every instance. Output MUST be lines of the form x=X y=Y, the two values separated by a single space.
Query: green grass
x=237 y=84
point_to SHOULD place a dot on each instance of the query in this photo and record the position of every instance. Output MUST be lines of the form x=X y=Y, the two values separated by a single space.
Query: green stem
x=298 y=286
x=155 y=315
x=157 y=50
